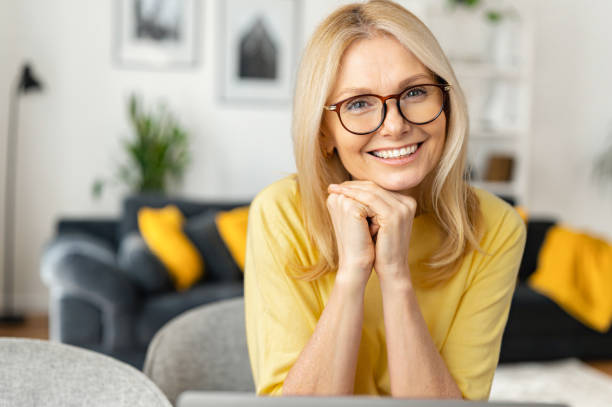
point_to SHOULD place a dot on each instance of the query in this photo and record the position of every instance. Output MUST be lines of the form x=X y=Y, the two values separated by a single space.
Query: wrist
x=353 y=280
x=395 y=278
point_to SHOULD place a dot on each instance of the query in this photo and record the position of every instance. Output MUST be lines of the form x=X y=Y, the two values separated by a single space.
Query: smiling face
x=382 y=66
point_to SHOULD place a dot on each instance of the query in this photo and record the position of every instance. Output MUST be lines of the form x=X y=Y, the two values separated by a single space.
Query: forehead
x=378 y=64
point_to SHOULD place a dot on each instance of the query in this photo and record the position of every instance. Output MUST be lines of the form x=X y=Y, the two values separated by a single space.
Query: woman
x=377 y=269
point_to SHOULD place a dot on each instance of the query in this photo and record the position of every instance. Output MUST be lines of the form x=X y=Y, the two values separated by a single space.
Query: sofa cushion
x=232 y=227
x=131 y=204
x=218 y=261
x=158 y=310
x=162 y=229
x=536 y=233
x=142 y=267
x=538 y=329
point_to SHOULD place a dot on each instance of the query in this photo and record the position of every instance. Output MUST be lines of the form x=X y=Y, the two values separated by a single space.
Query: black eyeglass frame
x=336 y=106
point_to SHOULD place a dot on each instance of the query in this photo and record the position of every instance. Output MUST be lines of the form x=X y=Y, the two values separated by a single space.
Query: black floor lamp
x=26 y=82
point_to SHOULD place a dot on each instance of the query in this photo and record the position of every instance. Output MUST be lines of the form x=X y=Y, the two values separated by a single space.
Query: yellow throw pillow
x=162 y=230
x=232 y=227
x=523 y=212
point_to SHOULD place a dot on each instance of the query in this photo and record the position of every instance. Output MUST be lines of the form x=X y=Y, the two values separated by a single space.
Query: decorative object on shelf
x=258 y=49
x=466 y=42
x=159 y=153
x=156 y=34
x=499 y=168
x=504 y=26
x=499 y=112
x=481 y=33
x=24 y=83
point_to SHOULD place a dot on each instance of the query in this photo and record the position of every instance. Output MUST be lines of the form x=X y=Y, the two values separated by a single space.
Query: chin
x=399 y=185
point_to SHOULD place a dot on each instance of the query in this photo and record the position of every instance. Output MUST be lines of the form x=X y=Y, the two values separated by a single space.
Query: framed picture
x=156 y=34
x=258 y=49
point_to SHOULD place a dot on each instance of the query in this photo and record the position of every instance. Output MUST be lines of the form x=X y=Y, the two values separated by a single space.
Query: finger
x=348 y=205
x=391 y=196
x=370 y=197
x=373 y=228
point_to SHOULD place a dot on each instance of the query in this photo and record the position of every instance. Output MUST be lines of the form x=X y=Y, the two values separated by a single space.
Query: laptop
x=225 y=399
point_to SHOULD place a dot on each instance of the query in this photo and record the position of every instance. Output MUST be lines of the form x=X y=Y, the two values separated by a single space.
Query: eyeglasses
x=417 y=104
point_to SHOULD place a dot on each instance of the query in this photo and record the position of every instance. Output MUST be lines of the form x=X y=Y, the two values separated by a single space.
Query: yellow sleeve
x=281 y=312
x=471 y=350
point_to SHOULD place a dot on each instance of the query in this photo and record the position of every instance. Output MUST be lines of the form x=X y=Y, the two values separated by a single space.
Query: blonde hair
x=447 y=195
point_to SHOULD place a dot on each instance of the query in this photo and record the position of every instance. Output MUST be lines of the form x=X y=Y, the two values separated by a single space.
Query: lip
x=396 y=148
x=398 y=161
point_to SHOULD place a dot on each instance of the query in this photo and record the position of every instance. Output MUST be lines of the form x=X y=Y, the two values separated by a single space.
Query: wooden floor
x=37 y=326
x=34 y=326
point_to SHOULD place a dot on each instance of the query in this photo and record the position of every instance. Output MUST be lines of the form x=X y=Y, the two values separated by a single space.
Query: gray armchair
x=203 y=349
x=43 y=373
x=110 y=294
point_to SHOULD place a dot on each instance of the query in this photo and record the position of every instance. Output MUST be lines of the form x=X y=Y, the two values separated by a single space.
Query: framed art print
x=258 y=49
x=156 y=34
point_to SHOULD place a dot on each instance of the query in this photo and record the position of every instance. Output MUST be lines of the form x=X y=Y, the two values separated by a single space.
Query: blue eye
x=362 y=105
x=357 y=105
x=415 y=93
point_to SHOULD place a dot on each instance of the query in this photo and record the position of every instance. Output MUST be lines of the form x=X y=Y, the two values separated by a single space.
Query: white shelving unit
x=496 y=77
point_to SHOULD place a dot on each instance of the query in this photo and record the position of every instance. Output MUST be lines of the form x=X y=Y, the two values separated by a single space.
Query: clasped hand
x=373 y=228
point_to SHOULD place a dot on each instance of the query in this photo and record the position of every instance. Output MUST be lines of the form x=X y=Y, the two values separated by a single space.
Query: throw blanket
x=575 y=271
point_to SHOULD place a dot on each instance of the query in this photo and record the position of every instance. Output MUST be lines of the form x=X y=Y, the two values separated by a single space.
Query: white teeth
x=396 y=153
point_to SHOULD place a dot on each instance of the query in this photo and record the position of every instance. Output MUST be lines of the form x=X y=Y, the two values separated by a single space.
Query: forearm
x=416 y=369
x=327 y=364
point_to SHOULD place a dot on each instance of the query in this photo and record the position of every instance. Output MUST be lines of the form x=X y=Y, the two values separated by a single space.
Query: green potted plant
x=157 y=154
x=464 y=3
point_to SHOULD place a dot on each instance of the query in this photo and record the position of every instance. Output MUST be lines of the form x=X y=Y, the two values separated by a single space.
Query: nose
x=394 y=123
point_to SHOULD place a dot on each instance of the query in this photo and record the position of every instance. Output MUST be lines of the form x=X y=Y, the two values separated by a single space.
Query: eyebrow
x=403 y=84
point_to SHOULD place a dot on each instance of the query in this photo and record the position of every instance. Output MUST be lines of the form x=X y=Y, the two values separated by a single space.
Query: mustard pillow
x=162 y=230
x=232 y=227
x=522 y=212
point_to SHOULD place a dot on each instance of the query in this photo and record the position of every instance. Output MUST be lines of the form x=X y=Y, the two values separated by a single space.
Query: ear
x=327 y=141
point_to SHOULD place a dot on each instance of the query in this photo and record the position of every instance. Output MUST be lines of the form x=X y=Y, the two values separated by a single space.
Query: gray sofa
x=110 y=294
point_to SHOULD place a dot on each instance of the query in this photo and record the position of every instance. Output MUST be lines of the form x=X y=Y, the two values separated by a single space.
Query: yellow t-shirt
x=465 y=316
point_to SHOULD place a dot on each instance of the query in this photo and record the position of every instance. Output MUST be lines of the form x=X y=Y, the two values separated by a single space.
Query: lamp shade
x=28 y=80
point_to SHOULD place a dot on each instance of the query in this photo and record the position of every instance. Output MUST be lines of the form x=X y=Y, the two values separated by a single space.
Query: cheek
x=345 y=142
x=439 y=133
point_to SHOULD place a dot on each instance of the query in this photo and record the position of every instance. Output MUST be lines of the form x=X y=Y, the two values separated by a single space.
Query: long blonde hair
x=447 y=195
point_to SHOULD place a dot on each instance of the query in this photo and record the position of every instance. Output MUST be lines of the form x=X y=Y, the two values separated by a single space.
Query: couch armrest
x=84 y=267
x=102 y=228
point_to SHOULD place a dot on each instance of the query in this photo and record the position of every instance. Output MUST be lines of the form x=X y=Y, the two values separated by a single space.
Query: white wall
x=70 y=134
x=572 y=114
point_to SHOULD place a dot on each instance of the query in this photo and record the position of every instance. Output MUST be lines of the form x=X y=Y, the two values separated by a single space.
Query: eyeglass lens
x=364 y=114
